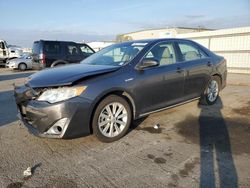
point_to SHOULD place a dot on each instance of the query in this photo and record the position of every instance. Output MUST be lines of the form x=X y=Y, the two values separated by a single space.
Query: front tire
x=22 y=66
x=111 y=119
x=211 y=92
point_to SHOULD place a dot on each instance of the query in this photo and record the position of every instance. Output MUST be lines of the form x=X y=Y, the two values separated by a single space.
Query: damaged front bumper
x=65 y=119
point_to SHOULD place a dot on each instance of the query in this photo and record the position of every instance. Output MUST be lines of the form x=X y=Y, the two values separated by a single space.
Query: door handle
x=209 y=64
x=179 y=70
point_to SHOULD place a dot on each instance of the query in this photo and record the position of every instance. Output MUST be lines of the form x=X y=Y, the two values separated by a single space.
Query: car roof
x=61 y=41
x=159 y=40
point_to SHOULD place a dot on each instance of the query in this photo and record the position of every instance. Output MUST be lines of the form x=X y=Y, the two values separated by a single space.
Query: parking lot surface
x=195 y=146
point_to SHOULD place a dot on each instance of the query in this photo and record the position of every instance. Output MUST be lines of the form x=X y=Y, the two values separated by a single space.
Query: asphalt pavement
x=195 y=146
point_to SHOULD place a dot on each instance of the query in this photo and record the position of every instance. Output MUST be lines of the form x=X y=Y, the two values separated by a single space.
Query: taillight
x=42 y=58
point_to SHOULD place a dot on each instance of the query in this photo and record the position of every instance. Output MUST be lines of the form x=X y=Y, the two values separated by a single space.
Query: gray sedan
x=22 y=63
x=117 y=85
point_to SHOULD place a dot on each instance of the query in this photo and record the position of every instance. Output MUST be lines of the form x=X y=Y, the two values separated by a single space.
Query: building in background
x=158 y=33
x=27 y=50
x=233 y=44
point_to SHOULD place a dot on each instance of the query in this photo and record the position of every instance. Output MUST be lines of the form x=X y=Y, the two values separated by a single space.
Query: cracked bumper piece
x=66 y=119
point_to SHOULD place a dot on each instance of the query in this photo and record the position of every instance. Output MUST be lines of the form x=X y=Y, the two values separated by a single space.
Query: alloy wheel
x=212 y=90
x=112 y=119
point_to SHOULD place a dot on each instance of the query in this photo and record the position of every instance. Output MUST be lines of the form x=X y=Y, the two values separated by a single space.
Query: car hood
x=66 y=75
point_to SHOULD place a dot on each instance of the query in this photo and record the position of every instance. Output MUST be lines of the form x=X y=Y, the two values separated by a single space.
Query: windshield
x=24 y=55
x=115 y=55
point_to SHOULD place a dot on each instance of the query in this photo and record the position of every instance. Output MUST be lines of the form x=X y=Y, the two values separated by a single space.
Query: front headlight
x=60 y=94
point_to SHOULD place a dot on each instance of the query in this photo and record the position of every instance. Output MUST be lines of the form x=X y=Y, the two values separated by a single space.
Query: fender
x=120 y=91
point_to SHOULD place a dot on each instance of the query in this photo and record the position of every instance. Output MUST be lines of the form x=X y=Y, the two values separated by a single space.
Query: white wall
x=233 y=44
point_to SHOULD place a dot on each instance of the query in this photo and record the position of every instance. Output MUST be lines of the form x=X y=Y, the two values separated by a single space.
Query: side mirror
x=29 y=57
x=147 y=63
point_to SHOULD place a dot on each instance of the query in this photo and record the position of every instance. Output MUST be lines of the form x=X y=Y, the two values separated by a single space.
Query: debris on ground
x=157 y=126
x=27 y=173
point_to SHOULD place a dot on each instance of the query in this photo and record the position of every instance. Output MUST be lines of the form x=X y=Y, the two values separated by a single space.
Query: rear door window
x=190 y=52
x=72 y=50
x=52 y=47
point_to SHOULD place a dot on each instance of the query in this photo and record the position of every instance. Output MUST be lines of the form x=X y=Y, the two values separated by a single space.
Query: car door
x=160 y=86
x=52 y=51
x=73 y=53
x=198 y=68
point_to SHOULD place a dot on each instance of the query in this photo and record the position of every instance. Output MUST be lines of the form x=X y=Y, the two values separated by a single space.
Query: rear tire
x=211 y=93
x=111 y=119
x=22 y=66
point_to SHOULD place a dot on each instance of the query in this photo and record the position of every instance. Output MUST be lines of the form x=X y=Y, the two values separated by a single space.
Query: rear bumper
x=37 y=65
x=40 y=116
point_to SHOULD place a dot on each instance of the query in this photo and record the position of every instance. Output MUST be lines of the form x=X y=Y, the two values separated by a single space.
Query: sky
x=24 y=21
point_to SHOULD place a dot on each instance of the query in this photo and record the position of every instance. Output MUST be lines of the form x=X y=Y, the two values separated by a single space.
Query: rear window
x=36 y=48
x=52 y=47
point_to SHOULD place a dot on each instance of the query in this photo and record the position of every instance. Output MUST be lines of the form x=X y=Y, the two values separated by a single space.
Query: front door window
x=163 y=53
